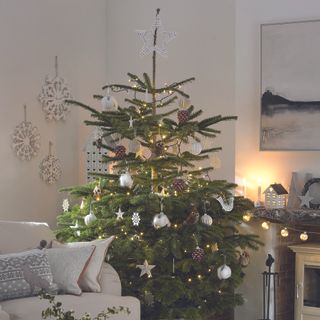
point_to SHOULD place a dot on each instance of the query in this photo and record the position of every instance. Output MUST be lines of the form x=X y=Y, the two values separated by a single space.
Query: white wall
x=250 y=162
x=32 y=32
x=204 y=48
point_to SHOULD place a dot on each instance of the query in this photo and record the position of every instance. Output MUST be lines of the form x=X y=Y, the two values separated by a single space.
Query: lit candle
x=244 y=186
x=259 y=189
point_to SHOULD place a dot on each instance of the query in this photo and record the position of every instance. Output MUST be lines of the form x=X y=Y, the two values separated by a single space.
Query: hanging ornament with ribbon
x=50 y=167
x=161 y=220
x=26 y=139
x=53 y=96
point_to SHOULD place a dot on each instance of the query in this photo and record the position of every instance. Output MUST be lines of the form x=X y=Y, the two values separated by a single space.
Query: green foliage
x=56 y=311
x=179 y=287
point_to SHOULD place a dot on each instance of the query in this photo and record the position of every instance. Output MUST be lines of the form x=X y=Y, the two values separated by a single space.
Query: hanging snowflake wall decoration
x=50 y=168
x=53 y=96
x=26 y=139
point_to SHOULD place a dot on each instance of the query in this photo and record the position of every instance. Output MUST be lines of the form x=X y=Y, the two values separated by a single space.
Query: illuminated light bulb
x=284 y=232
x=125 y=233
x=128 y=193
x=247 y=217
x=111 y=194
x=176 y=226
x=208 y=246
x=189 y=280
x=304 y=236
x=185 y=251
x=131 y=238
x=209 y=270
x=98 y=198
x=117 y=237
x=164 y=136
x=122 y=230
x=219 y=291
x=200 y=168
x=199 y=276
x=141 y=233
x=100 y=237
x=265 y=225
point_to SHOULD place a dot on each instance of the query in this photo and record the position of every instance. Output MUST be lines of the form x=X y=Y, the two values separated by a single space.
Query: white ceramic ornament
x=224 y=272
x=108 y=103
x=89 y=218
x=126 y=180
x=206 y=219
x=161 y=220
x=196 y=148
x=97 y=191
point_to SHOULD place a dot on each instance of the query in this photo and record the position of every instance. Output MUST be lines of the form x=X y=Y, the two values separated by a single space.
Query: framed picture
x=290 y=86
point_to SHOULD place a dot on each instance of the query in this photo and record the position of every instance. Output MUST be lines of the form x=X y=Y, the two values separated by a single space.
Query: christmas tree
x=177 y=244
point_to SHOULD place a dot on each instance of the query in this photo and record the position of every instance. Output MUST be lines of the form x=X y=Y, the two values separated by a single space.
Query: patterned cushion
x=24 y=274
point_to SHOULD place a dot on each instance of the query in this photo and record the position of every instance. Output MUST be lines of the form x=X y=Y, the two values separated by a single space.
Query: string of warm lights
x=284 y=232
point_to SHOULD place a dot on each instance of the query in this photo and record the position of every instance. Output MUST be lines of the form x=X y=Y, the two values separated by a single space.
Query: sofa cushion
x=24 y=274
x=89 y=280
x=93 y=303
x=20 y=236
x=67 y=265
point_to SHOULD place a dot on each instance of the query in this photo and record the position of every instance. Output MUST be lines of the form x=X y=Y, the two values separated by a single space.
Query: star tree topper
x=164 y=37
x=145 y=268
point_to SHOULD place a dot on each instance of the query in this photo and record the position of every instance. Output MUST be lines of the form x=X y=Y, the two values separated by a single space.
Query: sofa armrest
x=109 y=280
x=3 y=314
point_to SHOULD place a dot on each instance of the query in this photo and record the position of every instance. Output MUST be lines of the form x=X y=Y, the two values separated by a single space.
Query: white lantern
x=126 y=180
x=161 y=220
x=206 y=219
x=89 y=218
x=224 y=272
x=108 y=103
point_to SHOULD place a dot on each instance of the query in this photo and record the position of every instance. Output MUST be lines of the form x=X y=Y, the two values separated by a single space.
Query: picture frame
x=290 y=86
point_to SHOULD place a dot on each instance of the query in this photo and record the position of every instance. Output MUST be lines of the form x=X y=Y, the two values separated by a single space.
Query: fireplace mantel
x=289 y=216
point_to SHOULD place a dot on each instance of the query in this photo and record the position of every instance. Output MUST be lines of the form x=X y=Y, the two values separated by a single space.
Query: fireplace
x=307 y=281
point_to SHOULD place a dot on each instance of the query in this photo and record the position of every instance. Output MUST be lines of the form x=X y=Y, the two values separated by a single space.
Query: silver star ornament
x=145 y=268
x=119 y=214
x=163 y=38
x=305 y=200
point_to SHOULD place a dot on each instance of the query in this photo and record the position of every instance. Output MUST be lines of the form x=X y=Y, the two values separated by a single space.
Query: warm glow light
x=284 y=232
x=304 y=236
x=265 y=225
x=199 y=276
x=247 y=216
x=189 y=280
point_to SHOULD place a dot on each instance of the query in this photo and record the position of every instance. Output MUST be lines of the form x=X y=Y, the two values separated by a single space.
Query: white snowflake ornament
x=26 y=139
x=65 y=205
x=53 y=96
x=50 y=168
x=135 y=218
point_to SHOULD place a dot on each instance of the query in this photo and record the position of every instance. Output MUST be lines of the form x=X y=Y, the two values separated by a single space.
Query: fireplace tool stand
x=269 y=279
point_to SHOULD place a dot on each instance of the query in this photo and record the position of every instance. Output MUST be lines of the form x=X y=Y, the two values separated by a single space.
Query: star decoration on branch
x=305 y=200
x=145 y=268
x=164 y=37
x=119 y=214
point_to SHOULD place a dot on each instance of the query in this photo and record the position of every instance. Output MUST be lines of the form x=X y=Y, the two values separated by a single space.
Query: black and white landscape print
x=290 y=80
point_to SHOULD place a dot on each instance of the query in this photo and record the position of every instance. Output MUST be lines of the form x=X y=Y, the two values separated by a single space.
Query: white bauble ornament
x=89 y=218
x=126 y=180
x=108 y=103
x=161 y=220
x=196 y=148
x=206 y=219
x=134 y=146
x=224 y=272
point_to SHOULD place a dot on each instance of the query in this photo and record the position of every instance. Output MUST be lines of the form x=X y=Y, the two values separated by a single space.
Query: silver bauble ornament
x=161 y=220
x=126 y=180
x=89 y=218
x=196 y=148
x=224 y=272
x=108 y=103
x=206 y=219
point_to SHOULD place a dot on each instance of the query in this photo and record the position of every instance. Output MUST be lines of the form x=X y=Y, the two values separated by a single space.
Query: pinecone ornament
x=198 y=254
x=120 y=152
x=183 y=116
x=179 y=184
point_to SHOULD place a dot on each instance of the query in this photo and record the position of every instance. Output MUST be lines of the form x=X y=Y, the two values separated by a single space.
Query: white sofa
x=20 y=236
